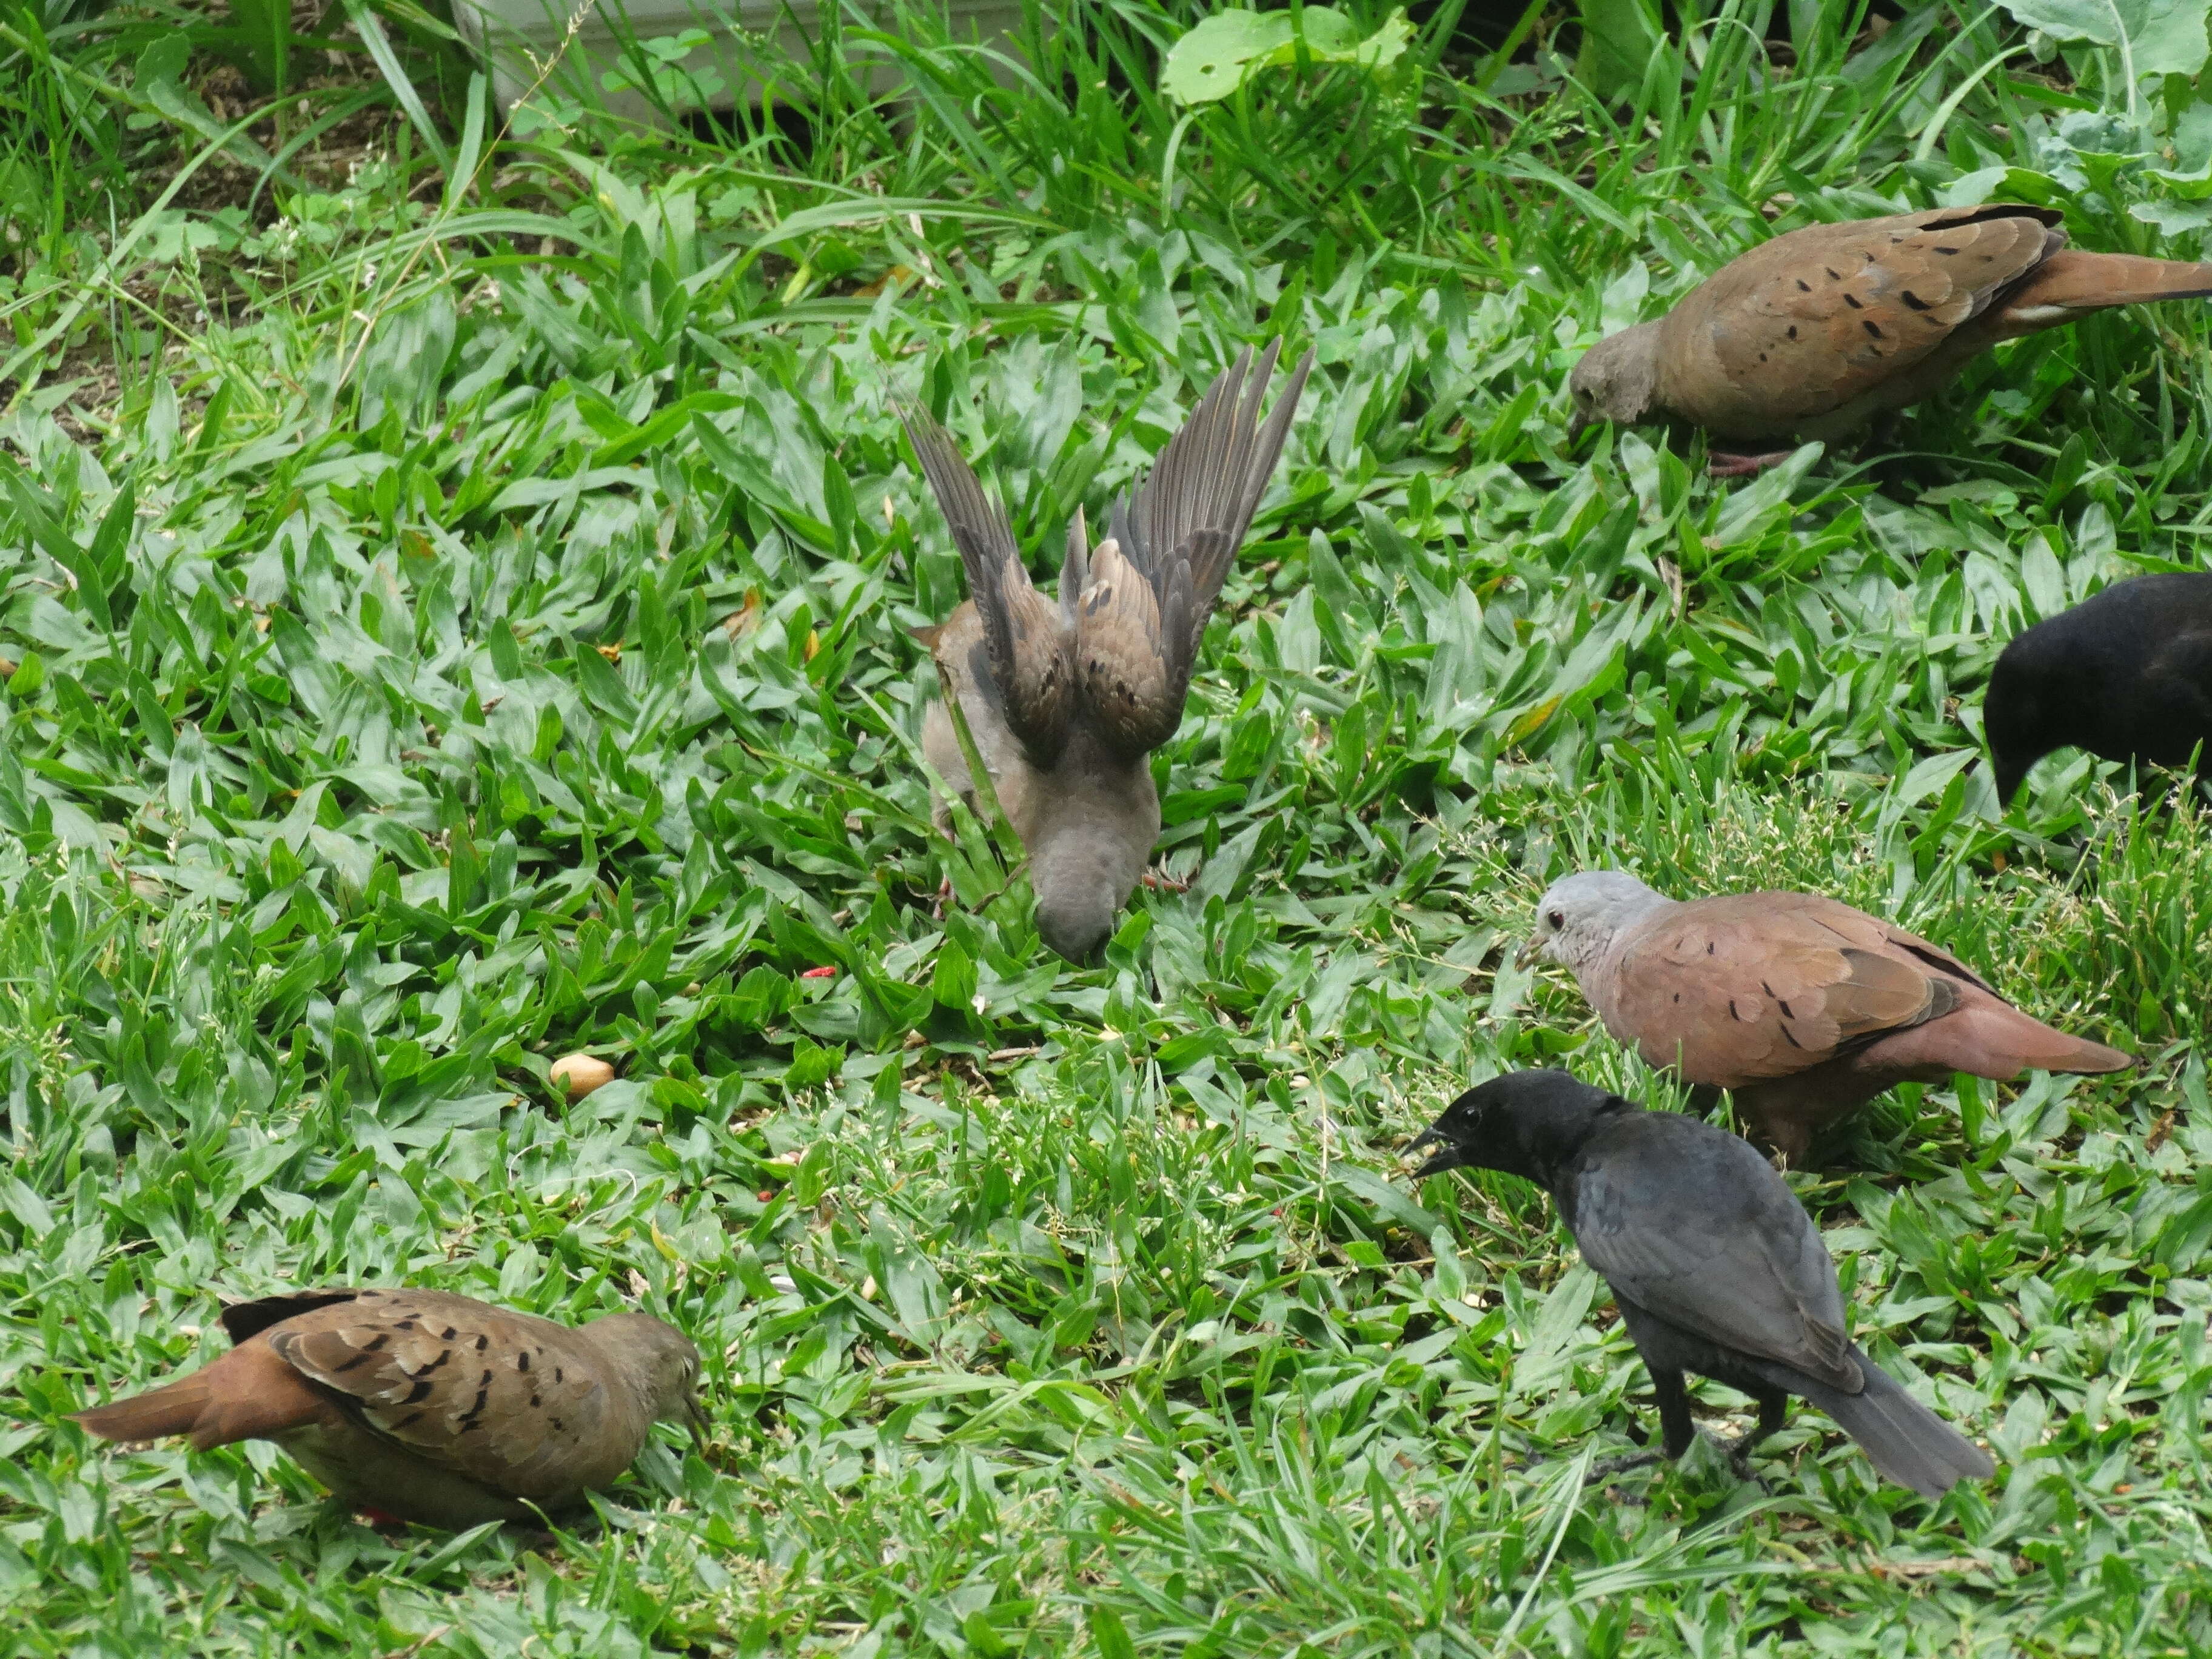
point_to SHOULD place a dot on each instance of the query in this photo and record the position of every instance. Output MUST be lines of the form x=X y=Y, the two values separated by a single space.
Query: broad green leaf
x=2154 y=37
x=1224 y=53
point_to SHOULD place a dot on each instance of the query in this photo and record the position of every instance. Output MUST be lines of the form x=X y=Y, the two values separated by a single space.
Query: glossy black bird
x=2126 y=674
x=1715 y=1265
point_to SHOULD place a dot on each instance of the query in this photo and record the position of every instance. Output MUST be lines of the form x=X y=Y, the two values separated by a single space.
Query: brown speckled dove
x=1812 y=334
x=1803 y=1008
x=1066 y=701
x=425 y=1405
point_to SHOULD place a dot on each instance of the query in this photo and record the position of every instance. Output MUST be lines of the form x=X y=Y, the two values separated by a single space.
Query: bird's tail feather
x=155 y=1415
x=2078 y=279
x=1993 y=1039
x=251 y=1393
x=1909 y=1444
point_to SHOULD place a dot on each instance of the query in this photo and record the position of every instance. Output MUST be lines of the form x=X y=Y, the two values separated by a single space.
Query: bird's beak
x=1526 y=954
x=2008 y=779
x=694 y=1419
x=1450 y=1158
x=1577 y=423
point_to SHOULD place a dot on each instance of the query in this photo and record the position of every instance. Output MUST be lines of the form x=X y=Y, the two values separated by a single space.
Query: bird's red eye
x=1559 y=918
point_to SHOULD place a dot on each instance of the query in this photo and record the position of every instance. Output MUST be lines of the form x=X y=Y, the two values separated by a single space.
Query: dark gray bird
x=1066 y=700
x=1715 y=1265
x=2126 y=675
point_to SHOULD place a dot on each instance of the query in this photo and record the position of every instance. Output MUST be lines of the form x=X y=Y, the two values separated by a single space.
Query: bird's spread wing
x=1152 y=582
x=1745 y=987
x=1818 y=318
x=1027 y=639
x=1702 y=1233
x=501 y=1397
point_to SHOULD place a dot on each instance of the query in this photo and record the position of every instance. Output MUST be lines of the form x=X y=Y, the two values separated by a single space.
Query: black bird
x=2126 y=674
x=1715 y=1265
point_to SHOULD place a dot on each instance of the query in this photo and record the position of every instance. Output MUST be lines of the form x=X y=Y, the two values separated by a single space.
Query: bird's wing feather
x=1177 y=538
x=1818 y=318
x=503 y=1398
x=1027 y=638
x=2177 y=682
x=1697 y=1229
x=1744 y=987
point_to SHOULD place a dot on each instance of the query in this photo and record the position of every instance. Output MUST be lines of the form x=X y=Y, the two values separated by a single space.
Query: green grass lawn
x=455 y=609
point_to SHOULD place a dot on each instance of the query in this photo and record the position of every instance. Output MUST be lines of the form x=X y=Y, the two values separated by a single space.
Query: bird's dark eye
x=1559 y=918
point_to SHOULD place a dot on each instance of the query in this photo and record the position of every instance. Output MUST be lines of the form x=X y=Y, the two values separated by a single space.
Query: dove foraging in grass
x=427 y=1406
x=1803 y=1008
x=1066 y=702
x=1714 y=1266
x=1815 y=333
x=2126 y=674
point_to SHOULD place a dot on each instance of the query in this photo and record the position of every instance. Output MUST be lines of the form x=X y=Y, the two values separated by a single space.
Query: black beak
x=2009 y=778
x=1451 y=1158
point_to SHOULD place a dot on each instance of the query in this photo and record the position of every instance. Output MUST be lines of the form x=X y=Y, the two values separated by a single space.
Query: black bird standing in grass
x=1715 y=1265
x=2126 y=674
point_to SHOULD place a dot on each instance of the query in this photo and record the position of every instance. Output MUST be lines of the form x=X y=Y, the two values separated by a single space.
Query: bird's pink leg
x=1744 y=466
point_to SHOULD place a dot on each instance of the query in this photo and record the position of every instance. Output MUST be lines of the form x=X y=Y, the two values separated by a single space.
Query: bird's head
x=2019 y=720
x=1580 y=916
x=1524 y=1123
x=661 y=1363
x=1080 y=877
x=1617 y=379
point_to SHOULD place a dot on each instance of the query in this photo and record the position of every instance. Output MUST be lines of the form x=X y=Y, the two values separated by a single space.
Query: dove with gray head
x=1802 y=1007
x=424 y=1406
x=1066 y=700
x=1815 y=333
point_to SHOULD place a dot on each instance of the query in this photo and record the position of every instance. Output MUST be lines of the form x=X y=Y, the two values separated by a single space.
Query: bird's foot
x=1599 y=1473
x=1744 y=466
x=1738 y=1452
x=1160 y=882
x=936 y=905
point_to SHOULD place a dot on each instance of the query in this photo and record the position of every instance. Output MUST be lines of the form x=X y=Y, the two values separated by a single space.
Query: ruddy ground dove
x=1066 y=701
x=1714 y=1266
x=2126 y=674
x=1811 y=335
x=425 y=1405
x=1803 y=1008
